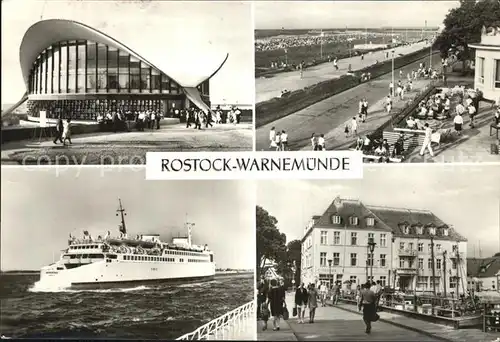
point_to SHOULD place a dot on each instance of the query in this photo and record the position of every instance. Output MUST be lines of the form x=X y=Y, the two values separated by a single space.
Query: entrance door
x=404 y=283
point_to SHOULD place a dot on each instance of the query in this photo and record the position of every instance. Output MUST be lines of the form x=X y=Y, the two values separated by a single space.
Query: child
x=264 y=312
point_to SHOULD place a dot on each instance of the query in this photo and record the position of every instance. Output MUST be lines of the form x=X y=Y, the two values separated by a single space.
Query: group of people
x=271 y=302
x=118 y=120
x=63 y=131
x=278 y=141
x=381 y=148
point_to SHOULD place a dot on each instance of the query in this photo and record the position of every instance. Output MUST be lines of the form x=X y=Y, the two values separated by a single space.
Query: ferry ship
x=105 y=262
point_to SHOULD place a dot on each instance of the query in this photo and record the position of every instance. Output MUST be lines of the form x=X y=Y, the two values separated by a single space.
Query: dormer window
x=432 y=231
x=353 y=221
x=406 y=229
x=445 y=232
x=335 y=219
x=370 y=221
x=420 y=230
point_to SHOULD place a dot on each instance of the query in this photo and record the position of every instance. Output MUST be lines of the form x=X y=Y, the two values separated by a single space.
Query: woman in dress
x=66 y=132
x=275 y=300
x=301 y=297
x=313 y=302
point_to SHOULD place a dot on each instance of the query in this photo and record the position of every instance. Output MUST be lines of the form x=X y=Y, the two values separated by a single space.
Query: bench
x=492 y=127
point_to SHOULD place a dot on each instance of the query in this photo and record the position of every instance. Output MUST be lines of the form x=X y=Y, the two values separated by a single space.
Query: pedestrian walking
x=314 y=142
x=364 y=110
x=368 y=302
x=272 y=138
x=458 y=122
x=335 y=64
x=67 y=132
x=354 y=126
x=321 y=143
x=59 y=131
x=301 y=297
x=313 y=302
x=427 y=141
x=276 y=302
x=336 y=293
x=472 y=114
x=264 y=314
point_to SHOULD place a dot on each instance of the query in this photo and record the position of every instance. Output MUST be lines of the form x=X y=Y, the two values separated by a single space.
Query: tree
x=463 y=25
x=270 y=242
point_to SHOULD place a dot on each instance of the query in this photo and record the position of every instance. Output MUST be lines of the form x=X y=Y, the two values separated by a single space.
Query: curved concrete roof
x=46 y=32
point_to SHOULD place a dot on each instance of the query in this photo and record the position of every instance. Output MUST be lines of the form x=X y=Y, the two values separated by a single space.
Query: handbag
x=376 y=317
x=294 y=311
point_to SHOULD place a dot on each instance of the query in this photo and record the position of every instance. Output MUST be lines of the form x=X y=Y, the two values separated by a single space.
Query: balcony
x=406 y=271
x=407 y=252
x=453 y=255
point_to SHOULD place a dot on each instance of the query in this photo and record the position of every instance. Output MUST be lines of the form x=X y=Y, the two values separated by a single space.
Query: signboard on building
x=43 y=118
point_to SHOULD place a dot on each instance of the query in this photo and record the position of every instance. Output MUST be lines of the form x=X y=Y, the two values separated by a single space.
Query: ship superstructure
x=108 y=261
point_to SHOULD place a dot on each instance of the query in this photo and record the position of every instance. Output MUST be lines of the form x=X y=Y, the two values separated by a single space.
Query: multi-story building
x=483 y=273
x=487 y=66
x=419 y=238
x=335 y=246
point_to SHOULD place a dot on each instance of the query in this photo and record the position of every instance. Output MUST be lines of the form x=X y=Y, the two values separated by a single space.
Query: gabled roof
x=483 y=268
x=386 y=218
x=396 y=217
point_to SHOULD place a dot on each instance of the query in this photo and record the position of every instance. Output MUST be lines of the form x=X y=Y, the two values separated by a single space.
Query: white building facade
x=487 y=64
x=335 y=248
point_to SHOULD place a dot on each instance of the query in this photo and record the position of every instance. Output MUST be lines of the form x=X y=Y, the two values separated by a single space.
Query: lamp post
x=321 y=44
x=392 y=73
x=330 y=273
x=371 y=248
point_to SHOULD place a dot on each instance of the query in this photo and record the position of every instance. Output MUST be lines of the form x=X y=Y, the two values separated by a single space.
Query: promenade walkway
x=130 y=147
x=344 y=323
x=271 y=86
x=334 y=324
x=330 y=116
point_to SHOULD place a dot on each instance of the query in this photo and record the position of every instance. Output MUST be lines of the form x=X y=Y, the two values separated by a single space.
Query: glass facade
x=79 y=67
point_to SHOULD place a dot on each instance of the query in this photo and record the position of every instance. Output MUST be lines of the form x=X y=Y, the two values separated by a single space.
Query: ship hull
x=138 y=282
x=120 y=273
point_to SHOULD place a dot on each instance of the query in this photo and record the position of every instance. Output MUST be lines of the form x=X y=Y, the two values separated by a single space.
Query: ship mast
x=121 y=210
x=189 y=226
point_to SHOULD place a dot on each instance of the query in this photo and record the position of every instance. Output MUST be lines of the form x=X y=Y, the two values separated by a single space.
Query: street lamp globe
x=371 y=245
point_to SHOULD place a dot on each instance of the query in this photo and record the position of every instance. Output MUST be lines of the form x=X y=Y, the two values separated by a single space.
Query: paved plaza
x=268 y=87
x=344 y=323
x=130 y=147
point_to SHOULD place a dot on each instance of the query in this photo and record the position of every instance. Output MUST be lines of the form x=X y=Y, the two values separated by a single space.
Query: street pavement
x=330 y=116
x=268 y=87
x=334 y=324
x=130 y=147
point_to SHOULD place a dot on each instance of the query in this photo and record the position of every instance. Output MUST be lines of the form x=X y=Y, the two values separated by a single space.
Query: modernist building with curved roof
x=74 y=70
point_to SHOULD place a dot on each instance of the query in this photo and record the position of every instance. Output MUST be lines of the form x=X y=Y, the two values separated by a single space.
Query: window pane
x=49 y=70
x=123 y=80
x=165 y=84
x=113 y=58
x=55 y=74
x=145 y=77
x=155 y=80
x=63 y=70
x=135 y=81
x=497 y=73
x=174 y=88
x=91 y=67
x=123 y=62
x=44 y=70
x=101 y=68
x=35 y=76
x=72 y=67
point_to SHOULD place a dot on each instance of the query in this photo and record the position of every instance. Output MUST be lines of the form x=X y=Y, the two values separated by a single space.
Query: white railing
x=219 y=328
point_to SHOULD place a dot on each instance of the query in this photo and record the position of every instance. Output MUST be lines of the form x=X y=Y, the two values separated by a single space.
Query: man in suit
x=59 y=130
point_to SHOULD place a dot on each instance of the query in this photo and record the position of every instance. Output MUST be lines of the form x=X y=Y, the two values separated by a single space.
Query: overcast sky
x=466 y=197
x=338 y=14
x=39 y=210
x=193 y=34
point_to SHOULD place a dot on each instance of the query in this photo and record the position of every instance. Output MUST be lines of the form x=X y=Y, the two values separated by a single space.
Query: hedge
x=279 y=107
